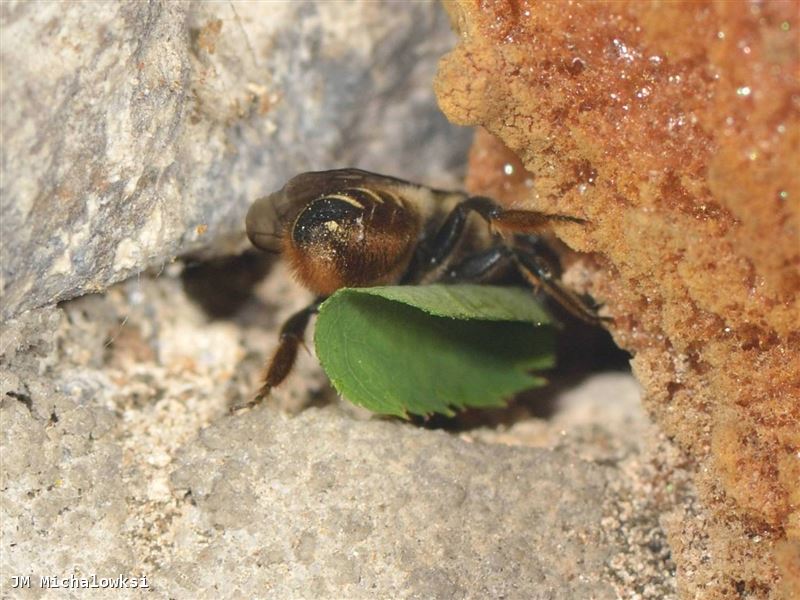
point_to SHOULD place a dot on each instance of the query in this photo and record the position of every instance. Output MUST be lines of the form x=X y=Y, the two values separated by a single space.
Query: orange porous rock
x=674 y=128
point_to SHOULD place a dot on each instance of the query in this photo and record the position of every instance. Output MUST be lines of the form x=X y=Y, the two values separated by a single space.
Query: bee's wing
x=305 y=187
x=269 y=216
x=267 y=219
x=262 y=223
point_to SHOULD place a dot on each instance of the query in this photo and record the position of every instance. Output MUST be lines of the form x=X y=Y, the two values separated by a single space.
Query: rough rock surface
x=137 y=131
x=674 y=129
x=378 y=508
x=119 y=457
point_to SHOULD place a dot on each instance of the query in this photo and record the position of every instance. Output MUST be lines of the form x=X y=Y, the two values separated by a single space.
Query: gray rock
x=119 y=457
x=324 y=506
x=134 y=132
x=64 y=503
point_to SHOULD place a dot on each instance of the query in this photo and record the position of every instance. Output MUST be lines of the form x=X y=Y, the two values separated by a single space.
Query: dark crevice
x=24 y=398
x=222 y=286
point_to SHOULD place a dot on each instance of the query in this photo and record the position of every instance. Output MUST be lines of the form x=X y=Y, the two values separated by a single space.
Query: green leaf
x=432 y=349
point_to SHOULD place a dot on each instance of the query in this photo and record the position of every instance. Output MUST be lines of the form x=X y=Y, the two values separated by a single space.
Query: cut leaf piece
x=466 y=301
x=431 y=349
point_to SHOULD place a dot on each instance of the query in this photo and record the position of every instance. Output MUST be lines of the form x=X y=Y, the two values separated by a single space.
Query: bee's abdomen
x=352 y=237
x=322 y=219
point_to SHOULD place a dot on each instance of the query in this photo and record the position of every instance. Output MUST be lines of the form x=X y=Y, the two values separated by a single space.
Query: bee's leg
x=291 y=336
x=533 y=258
x=538 y=246
x=432 y=252
x=445 y=240
x=479 y=266
x=539 y=272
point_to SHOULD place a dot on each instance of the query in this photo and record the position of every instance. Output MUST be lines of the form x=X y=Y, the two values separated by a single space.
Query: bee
x=353 y=228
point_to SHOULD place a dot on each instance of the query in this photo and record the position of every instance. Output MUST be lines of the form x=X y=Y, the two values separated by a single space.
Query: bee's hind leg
x=291 y=336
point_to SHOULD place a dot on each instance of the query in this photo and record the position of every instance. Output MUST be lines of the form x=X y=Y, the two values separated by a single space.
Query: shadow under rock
x=222 y=286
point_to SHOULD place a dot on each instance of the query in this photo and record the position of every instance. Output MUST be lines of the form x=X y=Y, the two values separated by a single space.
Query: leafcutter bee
x=351 y=228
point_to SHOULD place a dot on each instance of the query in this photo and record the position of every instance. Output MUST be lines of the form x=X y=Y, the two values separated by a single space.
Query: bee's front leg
x=538 y=269
x=536 y=264
x=433 y=252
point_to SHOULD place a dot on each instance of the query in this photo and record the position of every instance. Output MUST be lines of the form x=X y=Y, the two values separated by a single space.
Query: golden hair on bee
x=351 y=237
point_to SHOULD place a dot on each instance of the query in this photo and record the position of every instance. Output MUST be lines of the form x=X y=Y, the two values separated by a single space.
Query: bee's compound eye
x=327 y=218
